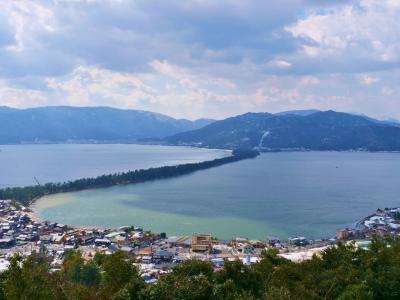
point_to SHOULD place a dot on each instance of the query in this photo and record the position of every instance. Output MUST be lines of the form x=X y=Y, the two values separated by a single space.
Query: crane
x=37 y=181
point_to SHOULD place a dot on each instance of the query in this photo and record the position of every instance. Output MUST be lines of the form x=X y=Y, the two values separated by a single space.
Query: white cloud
x=26 y=18
x=367 y=78
x=169 y=88
x=94 y=86
x=202 y=58
x=308 y=80
x=369 y=28
x=17 y=97
x=187 y=78
x=280 y=63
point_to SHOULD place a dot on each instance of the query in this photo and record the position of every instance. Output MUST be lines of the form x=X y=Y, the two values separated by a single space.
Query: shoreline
x=357 y=232
x=355 y=225
x=261 y=150
x=355 y=229
x=25 y=195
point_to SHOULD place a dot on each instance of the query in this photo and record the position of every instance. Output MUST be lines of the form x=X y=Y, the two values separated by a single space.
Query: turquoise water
x=284 y=194
x=19 y=164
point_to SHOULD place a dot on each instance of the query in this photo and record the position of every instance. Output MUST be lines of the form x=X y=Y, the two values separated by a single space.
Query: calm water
x=285 y=194
x=19 y=164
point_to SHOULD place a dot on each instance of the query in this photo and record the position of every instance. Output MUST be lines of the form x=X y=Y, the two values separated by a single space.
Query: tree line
x=341 y=272
x=26 y=194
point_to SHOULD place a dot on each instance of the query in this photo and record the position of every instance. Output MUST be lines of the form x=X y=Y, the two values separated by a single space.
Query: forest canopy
x=341 y=272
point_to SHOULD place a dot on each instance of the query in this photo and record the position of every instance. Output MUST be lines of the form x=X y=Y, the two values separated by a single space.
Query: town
x=156 y=253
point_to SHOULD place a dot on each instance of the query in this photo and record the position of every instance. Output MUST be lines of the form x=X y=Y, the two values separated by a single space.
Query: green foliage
x=189 y=280
x=120 y=273
x=193 y=268
x=79 y=271
x=30 y=278
x=341 y=272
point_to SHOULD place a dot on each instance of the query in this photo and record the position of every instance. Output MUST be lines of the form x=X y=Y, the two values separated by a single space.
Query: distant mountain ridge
x=291 y=130
x=56 y=124
x=319 y=130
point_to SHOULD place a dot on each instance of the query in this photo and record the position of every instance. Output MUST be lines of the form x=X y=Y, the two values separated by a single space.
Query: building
x=102 y=242
x=7 y=242
x=201 y=242
x=343 y=234
x=184 y=242
x=145 y=251
x=163 y=255
x=86 y=239
x=298 y=241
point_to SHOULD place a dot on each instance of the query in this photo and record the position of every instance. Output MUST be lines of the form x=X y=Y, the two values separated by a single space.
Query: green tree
x=118 y=273
x=75 y=268
x=30 y=278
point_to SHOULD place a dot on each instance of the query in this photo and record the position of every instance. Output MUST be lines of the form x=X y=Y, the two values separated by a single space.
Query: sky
x=202 y=58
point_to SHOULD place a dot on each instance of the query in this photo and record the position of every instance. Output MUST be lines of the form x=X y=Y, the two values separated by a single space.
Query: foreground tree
x=341 y=272
x=31 y=279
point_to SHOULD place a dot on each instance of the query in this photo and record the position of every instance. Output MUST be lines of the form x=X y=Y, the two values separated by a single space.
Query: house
x=45 y=239
x=218 y=262
x=112 y=249
x=298 y=241
x=249 y=260
x=127 y=249
x=246 y=249
x=146 y=259
x=146 y=251
x=7 y=242
x=201 y=242
x=273 y=241
x=184 y=242
x=102 y=242
x=172 y=240
x=86 y=239
x=58 y=238
x=163 y=255
x=22 y=237
x=343 y=234
x=114 y=234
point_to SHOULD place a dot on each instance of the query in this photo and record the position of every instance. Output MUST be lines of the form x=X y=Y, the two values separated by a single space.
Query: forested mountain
x=292 y=130
x=318 y=130
x=104 y=124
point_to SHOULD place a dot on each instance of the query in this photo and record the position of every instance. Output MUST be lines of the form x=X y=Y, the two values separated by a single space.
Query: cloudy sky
x=202 y=58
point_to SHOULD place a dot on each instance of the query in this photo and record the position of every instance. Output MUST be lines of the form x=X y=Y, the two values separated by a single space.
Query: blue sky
x=202 y=58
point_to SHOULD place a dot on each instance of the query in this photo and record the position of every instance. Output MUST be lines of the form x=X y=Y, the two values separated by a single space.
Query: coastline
x=95 y=221
x=26 y=194
x=97 y=226
x=360 y=232
x=261 y=150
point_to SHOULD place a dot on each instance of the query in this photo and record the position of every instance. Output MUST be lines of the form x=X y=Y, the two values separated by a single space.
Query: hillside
x=327 y=130
x=101 y=124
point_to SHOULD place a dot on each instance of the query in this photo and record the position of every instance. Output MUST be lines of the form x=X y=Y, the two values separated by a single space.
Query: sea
x=282 y=194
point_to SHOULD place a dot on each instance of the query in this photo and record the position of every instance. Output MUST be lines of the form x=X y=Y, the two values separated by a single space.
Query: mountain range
x=97 y=124
x=298 y=130
x=290 y=130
